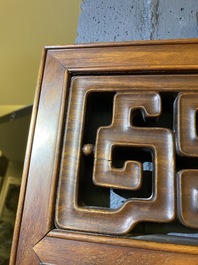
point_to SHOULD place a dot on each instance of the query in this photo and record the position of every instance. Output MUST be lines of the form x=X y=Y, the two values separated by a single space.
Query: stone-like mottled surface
x=123 y=20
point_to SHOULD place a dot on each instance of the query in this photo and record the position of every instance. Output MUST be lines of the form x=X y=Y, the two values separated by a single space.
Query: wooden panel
x=101 y=113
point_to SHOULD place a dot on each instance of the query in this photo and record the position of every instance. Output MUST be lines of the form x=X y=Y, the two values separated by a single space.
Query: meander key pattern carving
x=174 y=194
x=162 y=142
x=186 y=107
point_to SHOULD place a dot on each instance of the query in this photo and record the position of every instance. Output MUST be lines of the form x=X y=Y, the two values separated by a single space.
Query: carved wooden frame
x=162 y=64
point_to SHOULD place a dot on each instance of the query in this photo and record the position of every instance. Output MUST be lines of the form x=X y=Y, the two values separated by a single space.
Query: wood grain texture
x=42 y=174
x=69 y=215
x=60 y=251
x=188 y=197
x=51 y=180
x=186 y=108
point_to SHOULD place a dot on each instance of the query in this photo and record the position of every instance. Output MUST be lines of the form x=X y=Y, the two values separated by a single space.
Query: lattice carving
x=122 y=133
x=187 y=145
x=167 y=143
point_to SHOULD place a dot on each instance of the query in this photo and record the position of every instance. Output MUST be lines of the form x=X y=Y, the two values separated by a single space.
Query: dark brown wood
x=95 y=106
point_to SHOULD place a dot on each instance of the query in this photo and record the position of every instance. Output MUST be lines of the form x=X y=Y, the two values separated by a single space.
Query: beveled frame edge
x=107 y=65
x=42 y=80
x=121 y=241
x=35 y=112
x=27 y=160
x=79 y=248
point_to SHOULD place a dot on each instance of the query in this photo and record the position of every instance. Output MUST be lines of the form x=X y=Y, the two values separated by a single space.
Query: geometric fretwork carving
x=188 y=197
x=187 y=145
x=121 y=132
x=157 y=127
x=185 y=123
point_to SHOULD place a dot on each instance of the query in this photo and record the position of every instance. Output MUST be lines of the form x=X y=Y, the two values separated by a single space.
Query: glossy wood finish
x=69 y=214
x=186 y=130
x=137 y=76
x=188 y=197
x=69 y=248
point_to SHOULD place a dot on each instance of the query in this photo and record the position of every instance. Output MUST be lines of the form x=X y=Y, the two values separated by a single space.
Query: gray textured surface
x=113 y=20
